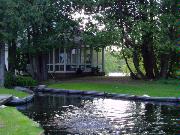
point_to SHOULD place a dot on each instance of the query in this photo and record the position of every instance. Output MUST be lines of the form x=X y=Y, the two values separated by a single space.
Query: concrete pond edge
x=106 y=95
x=15 y=101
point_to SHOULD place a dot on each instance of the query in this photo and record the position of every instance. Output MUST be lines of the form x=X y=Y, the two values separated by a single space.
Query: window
x=88 y=57
x=72 y=61
x=71 y=56
x=82 y=56
x=71 y=67
x=59 y=59
x=59 y=55
x=50 y=57
x=50 y=61
x=59 y=67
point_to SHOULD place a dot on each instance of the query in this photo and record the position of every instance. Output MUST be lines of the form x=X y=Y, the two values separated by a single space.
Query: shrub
x=10 y=80
x=25 y=81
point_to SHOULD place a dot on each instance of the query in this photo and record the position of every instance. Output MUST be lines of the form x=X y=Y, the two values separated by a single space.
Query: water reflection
x=67 y=114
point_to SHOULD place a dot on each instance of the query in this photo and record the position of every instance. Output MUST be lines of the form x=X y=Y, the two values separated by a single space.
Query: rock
x=146 y=96
x=41 y=86
x=2 y=106
x=23 y=89
x=18 y=101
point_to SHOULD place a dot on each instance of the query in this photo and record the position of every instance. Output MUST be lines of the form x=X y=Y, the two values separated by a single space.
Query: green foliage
x=25 y=81
x=149 y=25
x=145 y=30
x=10 y=80
x=114 y=64
x=21 y=60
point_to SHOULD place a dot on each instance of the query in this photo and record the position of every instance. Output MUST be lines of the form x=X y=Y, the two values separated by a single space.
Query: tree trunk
x=164 y=66
x=2 y=64
x=136 y=63
x=133 y=75
x=38 y=66
x=148 y=58
x=12 y=56
x=173 y=62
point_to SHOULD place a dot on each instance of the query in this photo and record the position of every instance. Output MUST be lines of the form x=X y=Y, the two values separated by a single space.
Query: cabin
x=74 y=61
x=74 y=58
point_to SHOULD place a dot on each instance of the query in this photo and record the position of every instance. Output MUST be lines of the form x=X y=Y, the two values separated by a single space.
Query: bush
x=10 y=80
x=25 y=81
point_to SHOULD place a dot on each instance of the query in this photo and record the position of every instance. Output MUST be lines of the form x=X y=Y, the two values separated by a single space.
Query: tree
x=147 y=33
x=2 y=42
x=2 y=63
x=143 y=29
x=36 y=27
x=48 y=25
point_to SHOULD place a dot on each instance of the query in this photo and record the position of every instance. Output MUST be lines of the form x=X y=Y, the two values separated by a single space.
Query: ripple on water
x=91 y=116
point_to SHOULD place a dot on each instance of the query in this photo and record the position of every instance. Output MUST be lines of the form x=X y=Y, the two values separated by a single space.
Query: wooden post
x=53 y=60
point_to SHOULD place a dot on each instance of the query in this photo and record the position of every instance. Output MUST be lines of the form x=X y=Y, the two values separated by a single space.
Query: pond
x=72 y=114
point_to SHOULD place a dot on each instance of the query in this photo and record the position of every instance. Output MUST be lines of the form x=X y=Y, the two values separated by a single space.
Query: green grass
x=156 y=89
x=12 y=122
x=13 y=92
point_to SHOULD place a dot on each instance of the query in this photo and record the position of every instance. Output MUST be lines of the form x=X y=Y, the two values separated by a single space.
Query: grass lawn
x=13 y=92
x=149 y=88
x=12 y=122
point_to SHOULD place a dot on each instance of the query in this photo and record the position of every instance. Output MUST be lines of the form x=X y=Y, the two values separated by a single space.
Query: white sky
x=85 y=19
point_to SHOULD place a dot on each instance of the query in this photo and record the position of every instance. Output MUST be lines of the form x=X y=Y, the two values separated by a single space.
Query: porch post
x=65 y=59
x=103 y=62
x=91 y=51
x=53 y=60
x=78 y=56
x=85 y=58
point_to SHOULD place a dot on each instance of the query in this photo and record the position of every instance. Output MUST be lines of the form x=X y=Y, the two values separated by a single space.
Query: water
x=68 y=114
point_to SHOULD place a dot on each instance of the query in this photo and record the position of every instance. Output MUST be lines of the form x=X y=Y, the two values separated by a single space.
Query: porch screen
x=71 y=59
x=59 y=59
x=50 y=61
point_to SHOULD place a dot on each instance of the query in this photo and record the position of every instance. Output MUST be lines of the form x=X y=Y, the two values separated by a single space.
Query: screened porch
x=69 y=60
